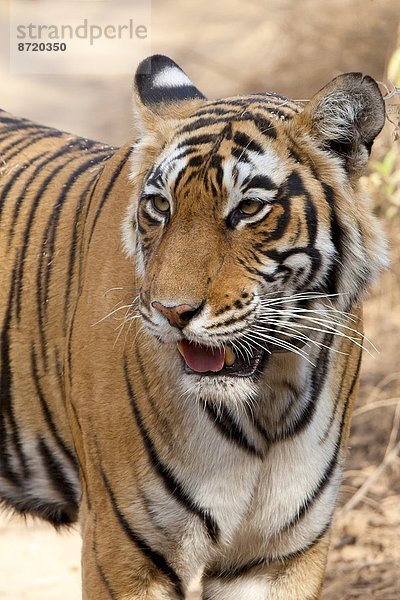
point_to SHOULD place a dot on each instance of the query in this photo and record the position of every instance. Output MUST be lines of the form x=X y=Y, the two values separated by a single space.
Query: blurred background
x=233 y=47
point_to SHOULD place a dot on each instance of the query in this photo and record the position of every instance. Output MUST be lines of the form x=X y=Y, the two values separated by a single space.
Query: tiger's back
x=46 y=177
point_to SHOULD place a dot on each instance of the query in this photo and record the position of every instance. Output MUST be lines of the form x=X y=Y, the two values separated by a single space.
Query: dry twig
x=389 y=458
x=379 y=404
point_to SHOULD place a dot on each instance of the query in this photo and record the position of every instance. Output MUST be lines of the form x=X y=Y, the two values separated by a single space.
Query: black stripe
x=310 y=545
x=311 y=220
x=34 y=139
x=196 y=161
x=165 y=426
x=5 y=192
x=337 y=238
x=19 y=126
x=74 y=242
x=355 y=379
x=109 y=189
x=283 y=220
x=264 y=126
x=198 y=140
x=216 y=163
x=199 y=123
x=59 y=370
x=57 y=475
x=68 y=453
x=82 y=247
x=173 y=486
x=155 y=557
x=146 y=318
x=72 y=322
x=326 y=477
x=230 y=320
x=156 y=177
x=28 y=228
x=306 y=413
x=254 y=271
x=259 y=181
x=280 y=257
x=6 y=400
x=14 y=120
x=46 y=256
x=240 y=155
x=230 y=429
x=152 y=512
x=318 y=378
x=178 y=179
x=105 y=580
x=35 y=204
x=293 y=185
x=73 y=145
x=212 y=110
x=172 y=94
x=21 y=143
x=165 y=163
x=43 y=158
x=102 y=574
x=318 y=490
x=141 y=229
x=49 y=238
x=247 y=143
x=233 y=572
x=55 y=513
x=339 y=394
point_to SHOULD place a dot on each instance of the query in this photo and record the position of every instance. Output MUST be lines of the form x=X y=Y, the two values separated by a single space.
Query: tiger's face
x=248 y=224
x=232 y=211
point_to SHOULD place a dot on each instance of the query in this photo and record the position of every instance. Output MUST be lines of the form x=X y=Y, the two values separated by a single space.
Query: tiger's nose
x=178 y=316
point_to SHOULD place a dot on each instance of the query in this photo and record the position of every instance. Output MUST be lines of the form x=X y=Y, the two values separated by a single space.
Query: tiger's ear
x=347 y=115
x=162 y=92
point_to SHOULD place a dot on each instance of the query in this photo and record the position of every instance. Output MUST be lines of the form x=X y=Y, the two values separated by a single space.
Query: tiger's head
x=248 y=220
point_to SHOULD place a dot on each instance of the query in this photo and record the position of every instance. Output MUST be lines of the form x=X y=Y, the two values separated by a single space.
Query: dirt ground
x=232 y=47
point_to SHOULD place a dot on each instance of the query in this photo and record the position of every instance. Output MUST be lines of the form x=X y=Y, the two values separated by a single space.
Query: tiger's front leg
x=299 y=578
x=119 y=565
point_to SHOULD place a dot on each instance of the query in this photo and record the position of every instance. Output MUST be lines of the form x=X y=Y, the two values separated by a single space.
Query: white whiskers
x=126 y=319
x=279 y=315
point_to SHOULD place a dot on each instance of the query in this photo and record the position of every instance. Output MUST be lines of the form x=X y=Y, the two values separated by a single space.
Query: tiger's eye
x=160 y=204
x=250 y=207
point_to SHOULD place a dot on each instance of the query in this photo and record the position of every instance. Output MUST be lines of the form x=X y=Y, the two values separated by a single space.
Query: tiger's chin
x=215 y=374
x=218 y=388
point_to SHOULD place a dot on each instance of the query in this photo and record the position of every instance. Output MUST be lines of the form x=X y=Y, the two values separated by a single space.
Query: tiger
x=181 y=333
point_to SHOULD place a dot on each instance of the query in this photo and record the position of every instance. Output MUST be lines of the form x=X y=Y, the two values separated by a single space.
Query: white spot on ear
x=171 y=77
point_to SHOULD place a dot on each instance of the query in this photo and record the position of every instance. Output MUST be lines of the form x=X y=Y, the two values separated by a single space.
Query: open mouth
x=205 y=360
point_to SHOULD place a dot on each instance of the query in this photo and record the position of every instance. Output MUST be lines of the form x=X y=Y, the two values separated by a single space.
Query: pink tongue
x=202 y=358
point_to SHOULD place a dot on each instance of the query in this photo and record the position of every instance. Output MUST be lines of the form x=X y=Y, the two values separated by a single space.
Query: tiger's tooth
x=179 y=347
x=229 y=356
